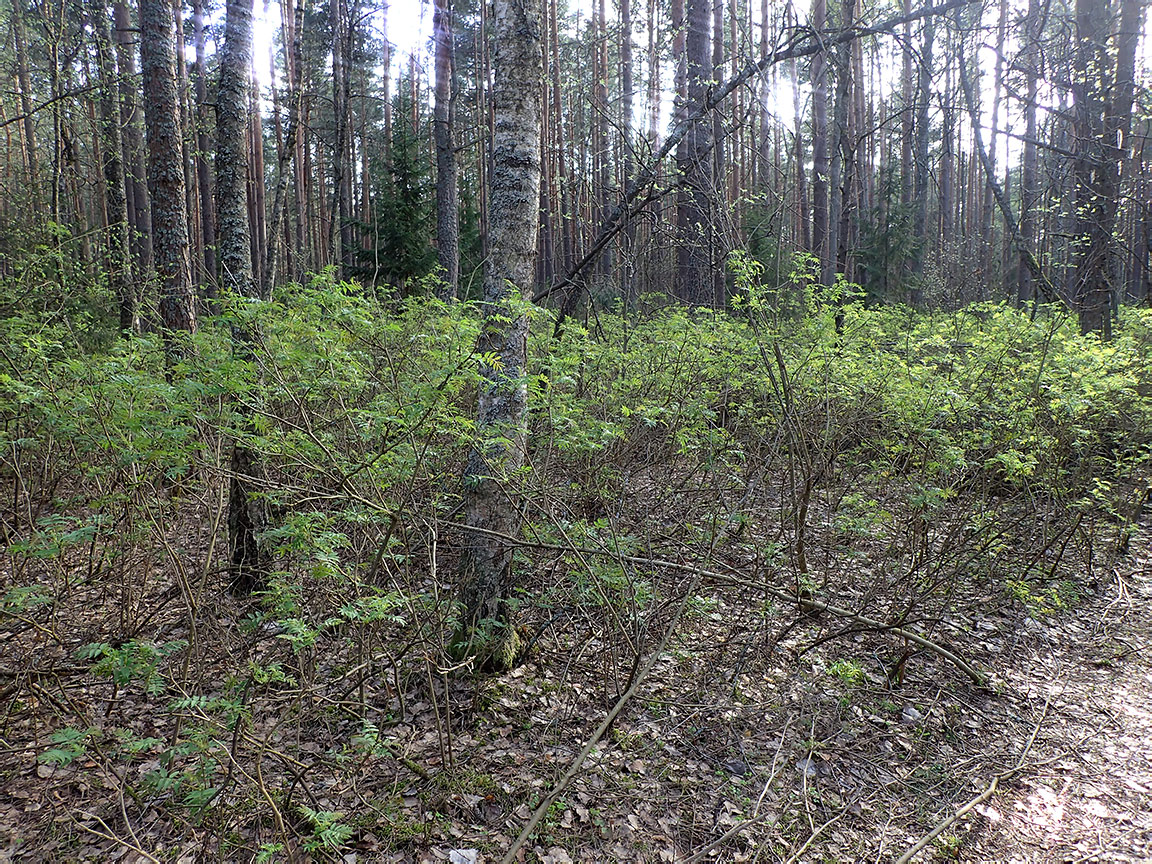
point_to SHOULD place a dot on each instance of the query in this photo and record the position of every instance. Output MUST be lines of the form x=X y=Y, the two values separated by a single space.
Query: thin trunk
x=140 y=207
x=486 y=578
x=1103 y=120
x=694 y=161
x=820 y=164
x=118 y=248
x=203 y=145
x=341 y=173
x=921 y=165
x=24 y=79
x=444 y=127
x=1029 y=183
x=289 y=152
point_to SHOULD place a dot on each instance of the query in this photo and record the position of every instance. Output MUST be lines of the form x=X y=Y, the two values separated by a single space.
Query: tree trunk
x=444 y=127
x=203 y=168
x=628 y=165
x=119 y=253
x=232 y=129
x=920 y=162
x=820 y=165
x=166 y=169
x=24 y=80
x=341 y=170
x=288 y=153
x=1029 y=183
x=694 y=161
x=718 y=204
x=247 y=517
x=1103 y=118
x=486 y=579
x=139 y=204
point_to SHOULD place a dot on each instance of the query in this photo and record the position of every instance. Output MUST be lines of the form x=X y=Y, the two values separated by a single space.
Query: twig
x=988 y=792
x=784 y=596
x=578 y=762
x=812 y=837
x=109 y=835
x=756 y=816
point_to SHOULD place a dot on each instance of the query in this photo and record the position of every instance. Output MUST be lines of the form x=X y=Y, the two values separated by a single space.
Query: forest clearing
x=569 y=430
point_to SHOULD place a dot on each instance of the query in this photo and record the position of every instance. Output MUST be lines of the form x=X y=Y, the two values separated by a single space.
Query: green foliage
x=401 y=232
x=848 y=671
x=132 y=661
x=71 y=744
x=328 y=833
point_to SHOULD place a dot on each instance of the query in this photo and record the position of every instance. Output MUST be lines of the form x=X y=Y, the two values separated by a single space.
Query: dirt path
x=1089 y=795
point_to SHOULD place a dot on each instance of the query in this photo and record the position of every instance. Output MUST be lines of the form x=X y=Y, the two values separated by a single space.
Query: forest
x=575 y=430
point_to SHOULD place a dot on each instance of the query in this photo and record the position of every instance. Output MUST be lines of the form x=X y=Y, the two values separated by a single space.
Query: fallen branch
x=578 y=762
x=776 y=593
x=988 y=792
x=797 y=46
x=1028 y=257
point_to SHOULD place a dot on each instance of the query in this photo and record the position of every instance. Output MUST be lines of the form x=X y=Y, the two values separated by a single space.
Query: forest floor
x=745 y=742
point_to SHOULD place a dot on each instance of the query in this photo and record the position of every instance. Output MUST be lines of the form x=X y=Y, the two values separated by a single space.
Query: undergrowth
x=904 y=461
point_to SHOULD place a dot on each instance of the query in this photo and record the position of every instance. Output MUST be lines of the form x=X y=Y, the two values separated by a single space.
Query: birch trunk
x=486 y=578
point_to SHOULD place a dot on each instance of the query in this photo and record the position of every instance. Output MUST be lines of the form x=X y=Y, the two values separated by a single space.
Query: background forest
x=529 y=430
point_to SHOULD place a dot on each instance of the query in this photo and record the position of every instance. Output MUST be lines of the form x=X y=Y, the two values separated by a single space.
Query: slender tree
x=695 y=163
x=118 y=252
x=232 y=130
x=247 y=516
x=447 y=204
x=203 y=166
x=486 y=578
x=1103 y=92
x=139 y=205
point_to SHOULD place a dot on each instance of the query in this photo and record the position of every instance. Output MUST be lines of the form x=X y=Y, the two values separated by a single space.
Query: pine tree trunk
x=694 y=161
x=341 y=169
x=232 y=129
x=1029 y=183
x=1103 y=121
x=921 y=165
x=119 y=250
x=166 y=169
x=289 y=152
x=628 y=164
x=820 y=166
x=203 y=168
x=247 y=516
x=24 y=79
x=139 y=203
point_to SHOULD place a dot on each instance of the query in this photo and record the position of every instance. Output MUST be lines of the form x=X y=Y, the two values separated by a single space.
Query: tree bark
x=232 y=127
x=166 y=169
x=1103 y=97
x=486 y=578
x=444 y=128
x=341 y=171
x=288 y=153
x=118 y=253
x=139 y=203
x=921 y=165
x=820 y=166
x=695 y=164
x=24 y=79
x=203 y=167
x=247 y=516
